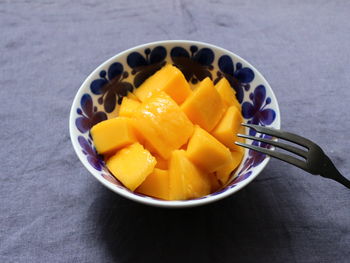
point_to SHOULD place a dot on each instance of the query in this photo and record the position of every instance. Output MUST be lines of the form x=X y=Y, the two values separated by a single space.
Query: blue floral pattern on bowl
x=239 y=76
x=257 y=111
x=94 y=159
x=119 y=77
x=89 y=116
x=145 y=66
x=196 y=64
x=111 y=86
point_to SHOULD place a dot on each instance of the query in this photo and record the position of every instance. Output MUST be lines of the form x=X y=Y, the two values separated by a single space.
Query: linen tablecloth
x=53 y=210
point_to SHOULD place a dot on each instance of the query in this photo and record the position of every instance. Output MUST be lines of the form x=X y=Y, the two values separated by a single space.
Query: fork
x=315 y=160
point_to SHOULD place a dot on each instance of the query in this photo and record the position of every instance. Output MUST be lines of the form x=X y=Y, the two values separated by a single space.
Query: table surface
x=53 y=210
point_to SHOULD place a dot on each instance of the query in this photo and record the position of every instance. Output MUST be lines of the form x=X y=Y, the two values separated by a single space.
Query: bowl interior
x=101 y=93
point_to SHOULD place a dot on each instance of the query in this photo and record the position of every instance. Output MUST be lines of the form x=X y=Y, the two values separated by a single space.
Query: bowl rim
x=144 y=199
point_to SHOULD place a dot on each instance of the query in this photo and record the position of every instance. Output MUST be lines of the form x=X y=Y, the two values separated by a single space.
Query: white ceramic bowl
x=96 y=101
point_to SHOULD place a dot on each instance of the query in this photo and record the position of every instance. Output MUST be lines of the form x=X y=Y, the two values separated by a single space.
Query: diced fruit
x=128 y=107
x=162 y=124
x=156 y=184
x=237 y=157
x=131 y=165
x=168 y=79
x=161 y=163
x=184 y=147
x=227 y=93
x=228 y=127
x=204 y=106
x=173 y=140
x=147 y=145
x=113 y=134
x=207 y=152
x=223 y=174
x=236 y=104
x=185 y=179
x=214 y=183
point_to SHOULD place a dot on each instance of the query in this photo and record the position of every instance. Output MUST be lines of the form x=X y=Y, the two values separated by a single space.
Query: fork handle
x=331 y=172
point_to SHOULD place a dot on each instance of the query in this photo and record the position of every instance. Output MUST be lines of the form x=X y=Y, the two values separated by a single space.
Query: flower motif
x=256 y=111
x=241 y=177
x=111 y=86
x=144 y=67
x=89 y=114
x=93 y=158
x=195 y=66
x=239 y=76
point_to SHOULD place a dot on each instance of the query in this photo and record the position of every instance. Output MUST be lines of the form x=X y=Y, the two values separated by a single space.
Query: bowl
x=95 y=101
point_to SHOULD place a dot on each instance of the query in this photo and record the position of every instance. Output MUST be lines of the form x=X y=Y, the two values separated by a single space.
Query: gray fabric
x=53 y=210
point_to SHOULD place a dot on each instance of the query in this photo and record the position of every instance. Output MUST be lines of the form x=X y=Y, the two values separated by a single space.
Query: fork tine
x=281 y=156
x=278 y=144
x=281 y=134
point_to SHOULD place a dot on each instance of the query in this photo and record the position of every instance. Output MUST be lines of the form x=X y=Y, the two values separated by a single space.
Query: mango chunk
x=215 y=184
x=223 y=174
x=113 y=134
x=162 y=124
x=228 y=127
x=131 y=165
x=156 y=184
x=227 y=93
x=204 y=106
x=207 y=152
x=168 y=79
x=128 y=107
x=185 y=179
x=161 y=163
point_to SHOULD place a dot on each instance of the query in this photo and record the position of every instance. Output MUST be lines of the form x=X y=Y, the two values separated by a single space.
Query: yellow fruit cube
x=223 y=174
x=162 y=124
x=228 y=127
x=204 y=106
x=161 y=163
x=227 y=93
x=214 y=183
x=168 y=79
x=128 y=107
x=185 y=179
x=156 y=184
x=131 y=165
x=113 y=134
x=206 y=151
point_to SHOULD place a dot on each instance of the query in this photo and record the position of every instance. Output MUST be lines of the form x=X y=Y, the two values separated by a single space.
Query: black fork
x=316 y=161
